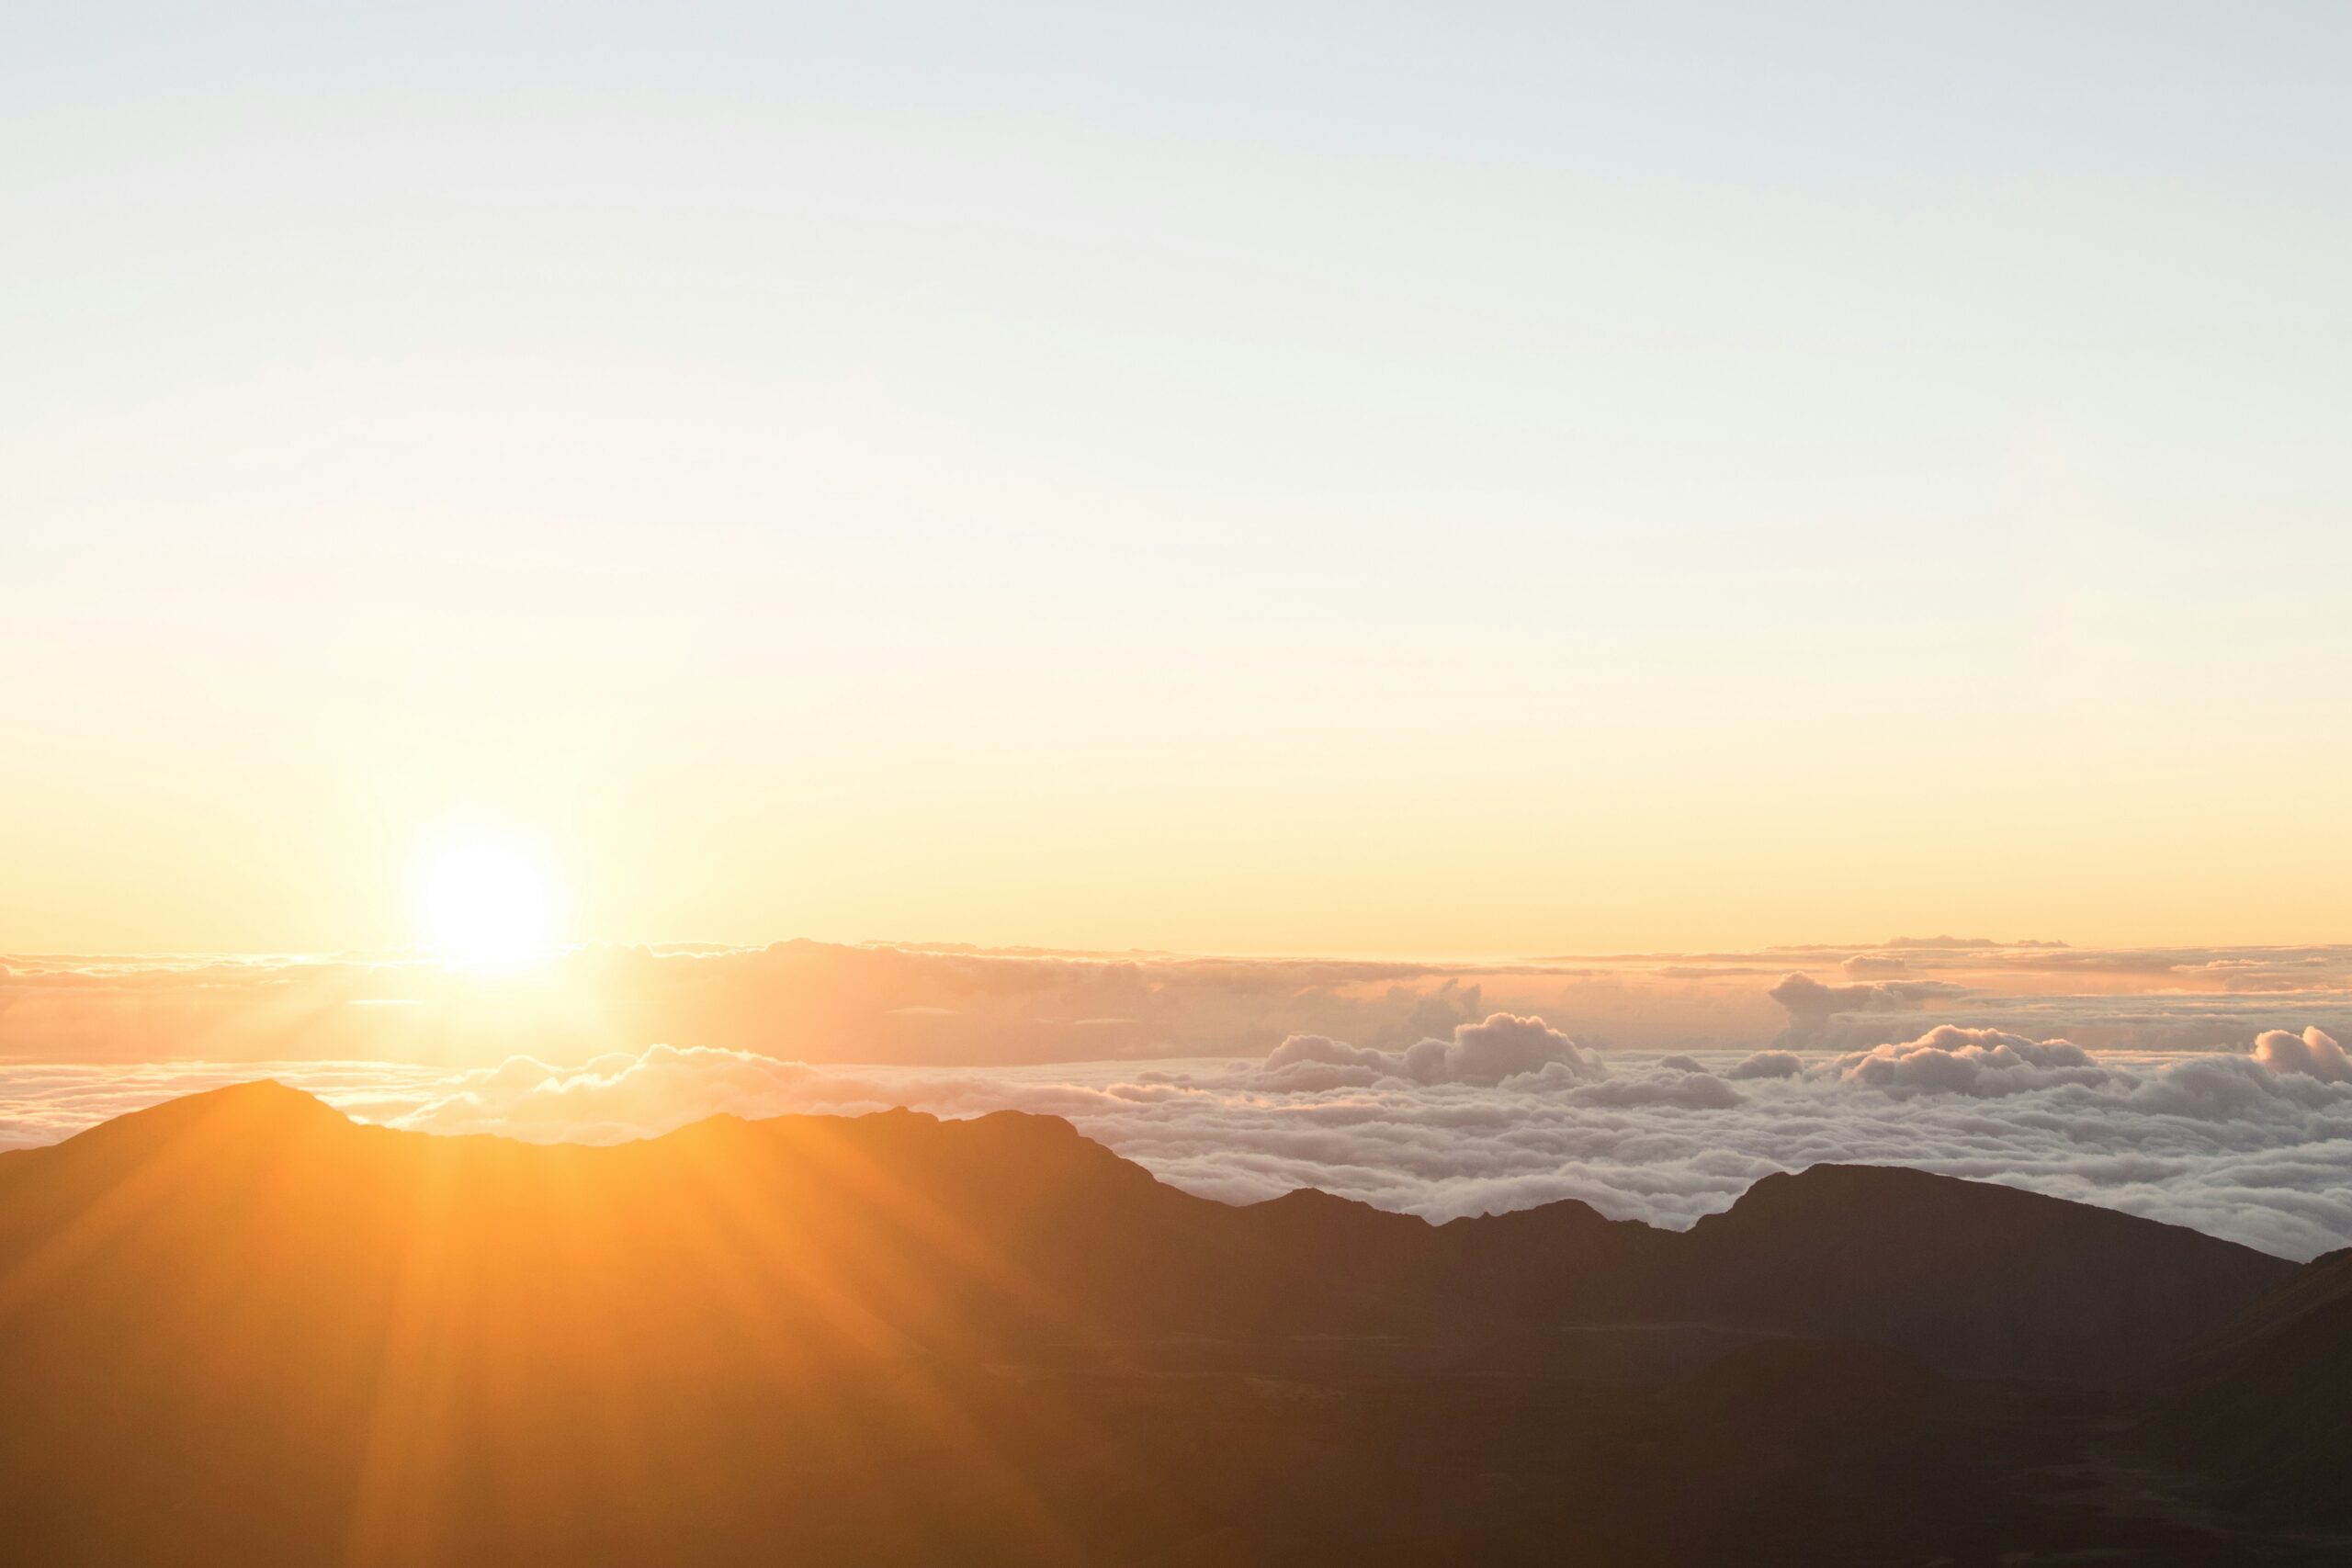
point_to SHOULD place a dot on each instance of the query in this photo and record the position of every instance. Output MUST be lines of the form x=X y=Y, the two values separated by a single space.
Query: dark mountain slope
x=1971 y=1276
x=238 y=1327
x=896 y=1231
x=1563 y=1262
x=1804 y=1389
x=2305 y=1301
x=2266 y=1399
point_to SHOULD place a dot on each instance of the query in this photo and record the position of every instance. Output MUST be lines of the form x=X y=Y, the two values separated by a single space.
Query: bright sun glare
x=484 y=901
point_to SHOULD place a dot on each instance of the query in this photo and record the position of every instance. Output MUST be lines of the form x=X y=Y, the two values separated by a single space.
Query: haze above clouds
x=915 y=1005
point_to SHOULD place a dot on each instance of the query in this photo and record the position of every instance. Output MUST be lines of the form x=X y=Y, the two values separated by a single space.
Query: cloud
x=1503 y=1046
x=2240 y=1144
x=1691 y=1091
x=1811 y=1003
x=2198 y=1086
x=2311 y=1053
x=2210 y=1088
x=945 y=1006
x=1984 y=1062
x=828 y=1002
x=1767 y=1065
x=1500 y=1047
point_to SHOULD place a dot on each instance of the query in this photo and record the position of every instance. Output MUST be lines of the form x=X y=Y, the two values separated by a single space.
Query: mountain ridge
x=240 y=1327
x=1825 y=1250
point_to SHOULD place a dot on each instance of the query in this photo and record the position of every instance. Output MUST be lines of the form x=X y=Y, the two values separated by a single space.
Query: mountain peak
x=257 y=1105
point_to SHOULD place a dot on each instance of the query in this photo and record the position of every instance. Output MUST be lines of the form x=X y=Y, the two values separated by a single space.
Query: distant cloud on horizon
x=941 y=1006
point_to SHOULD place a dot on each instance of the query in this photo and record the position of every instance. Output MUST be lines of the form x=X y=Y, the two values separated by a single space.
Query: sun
x=484 y=900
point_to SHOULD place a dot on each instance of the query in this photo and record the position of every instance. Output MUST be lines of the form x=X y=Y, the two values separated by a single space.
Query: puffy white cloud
x=1807 y=999
x=2312 y=1053
x=1950 y=1059
x=1502 y=1048
x=1499 y=1047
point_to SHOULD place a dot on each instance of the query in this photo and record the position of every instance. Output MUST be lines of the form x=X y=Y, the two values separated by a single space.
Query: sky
x=1365 y=481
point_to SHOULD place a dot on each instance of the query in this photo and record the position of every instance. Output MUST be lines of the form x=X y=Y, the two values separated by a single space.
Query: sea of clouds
x=1503 y=1112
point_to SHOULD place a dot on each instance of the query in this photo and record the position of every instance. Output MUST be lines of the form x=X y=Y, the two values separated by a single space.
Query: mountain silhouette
x=239 y=1327
x=1971 y=1276
x=2267 y=1398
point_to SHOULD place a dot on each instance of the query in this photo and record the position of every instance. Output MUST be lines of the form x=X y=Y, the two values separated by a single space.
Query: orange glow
x=438 y=1339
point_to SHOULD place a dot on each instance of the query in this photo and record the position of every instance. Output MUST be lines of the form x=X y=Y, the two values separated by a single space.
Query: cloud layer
x=938 y=1006
x=1501 y=1114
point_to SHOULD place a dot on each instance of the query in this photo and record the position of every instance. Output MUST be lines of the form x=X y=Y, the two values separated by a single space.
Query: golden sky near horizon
x=1231 y=482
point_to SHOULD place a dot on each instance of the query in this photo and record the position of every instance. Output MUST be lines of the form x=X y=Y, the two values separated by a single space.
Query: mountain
x=1974 y=1277
x=1970 y=1278
x=239 y=1327
x=2267 y=1398
x=1796 y=1389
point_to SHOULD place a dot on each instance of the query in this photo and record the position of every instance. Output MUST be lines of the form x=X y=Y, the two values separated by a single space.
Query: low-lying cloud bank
x=956 y=1006
x=1486 y=1054
x=1504 y=1112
